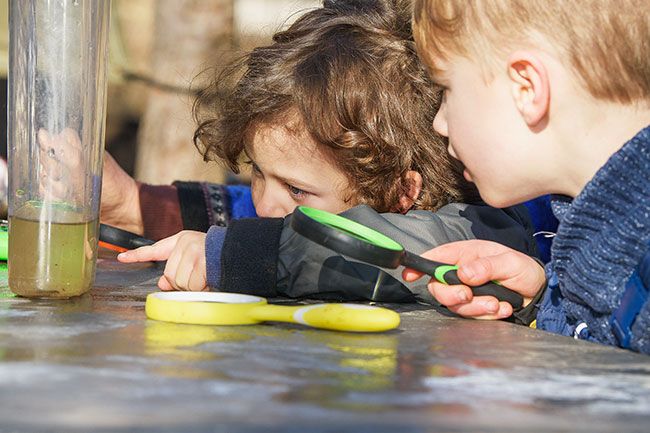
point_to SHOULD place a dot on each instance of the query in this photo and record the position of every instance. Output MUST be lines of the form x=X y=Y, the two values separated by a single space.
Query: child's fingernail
x=122 y=255
x=468 y=271
x=461 y=295
x=492 y=307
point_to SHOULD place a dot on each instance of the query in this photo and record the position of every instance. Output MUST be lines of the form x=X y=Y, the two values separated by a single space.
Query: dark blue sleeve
x=551 y=316
x=640 y=326
x=240 y=203
x=229 y=262
x=213 y=248
x=544 y=223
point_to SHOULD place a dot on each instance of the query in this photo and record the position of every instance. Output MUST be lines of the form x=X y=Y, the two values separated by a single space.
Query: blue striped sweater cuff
x=213 y=246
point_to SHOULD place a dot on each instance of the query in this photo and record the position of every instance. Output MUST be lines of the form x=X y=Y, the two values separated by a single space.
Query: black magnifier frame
x=122 y=239
x=360 y=242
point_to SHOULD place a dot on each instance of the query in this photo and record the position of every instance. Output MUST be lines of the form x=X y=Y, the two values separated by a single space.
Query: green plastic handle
x=447 y=274
x=4 y=242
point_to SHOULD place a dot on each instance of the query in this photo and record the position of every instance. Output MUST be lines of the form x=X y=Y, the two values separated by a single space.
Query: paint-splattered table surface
x=96 y=364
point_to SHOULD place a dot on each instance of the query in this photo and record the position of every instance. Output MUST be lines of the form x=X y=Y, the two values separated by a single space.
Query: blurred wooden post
x=190 y=36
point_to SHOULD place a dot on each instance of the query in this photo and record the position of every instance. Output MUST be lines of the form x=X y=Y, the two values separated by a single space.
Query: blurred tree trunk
x=190 y=36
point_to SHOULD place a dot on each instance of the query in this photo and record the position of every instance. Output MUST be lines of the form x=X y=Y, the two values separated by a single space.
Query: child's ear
x=530 y=86
x=413 y=182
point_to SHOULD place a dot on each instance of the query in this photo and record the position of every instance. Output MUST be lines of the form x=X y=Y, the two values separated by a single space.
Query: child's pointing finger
x=150 y=253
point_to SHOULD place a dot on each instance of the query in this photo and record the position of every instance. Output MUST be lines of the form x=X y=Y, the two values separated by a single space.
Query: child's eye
x=296 y=192
x=254 y=167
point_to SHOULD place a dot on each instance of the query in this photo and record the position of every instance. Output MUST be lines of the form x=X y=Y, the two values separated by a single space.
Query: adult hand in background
x=120 y=206
x=61 y=167
x=63 y=178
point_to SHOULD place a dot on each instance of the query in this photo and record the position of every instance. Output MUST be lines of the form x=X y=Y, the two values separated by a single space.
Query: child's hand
x=479 y=262
x=185 y=255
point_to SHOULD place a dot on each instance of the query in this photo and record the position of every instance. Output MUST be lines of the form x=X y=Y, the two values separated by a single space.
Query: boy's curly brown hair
x=351 y=73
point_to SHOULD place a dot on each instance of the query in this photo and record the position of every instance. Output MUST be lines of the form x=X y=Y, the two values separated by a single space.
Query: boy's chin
x=498 y=200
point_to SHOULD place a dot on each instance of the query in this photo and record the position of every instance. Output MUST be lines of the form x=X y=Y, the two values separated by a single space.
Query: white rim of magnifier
x=218 y=297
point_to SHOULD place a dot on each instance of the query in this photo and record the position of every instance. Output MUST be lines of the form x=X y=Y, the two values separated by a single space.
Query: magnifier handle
x=448 y=274
x=488 y=289
x=337 y=317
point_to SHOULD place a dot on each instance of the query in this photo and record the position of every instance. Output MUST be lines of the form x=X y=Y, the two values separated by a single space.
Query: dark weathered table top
x=97 y=364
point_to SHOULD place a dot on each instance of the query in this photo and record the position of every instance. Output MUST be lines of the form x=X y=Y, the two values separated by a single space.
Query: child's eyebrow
x=297 y=183
x=301 y=184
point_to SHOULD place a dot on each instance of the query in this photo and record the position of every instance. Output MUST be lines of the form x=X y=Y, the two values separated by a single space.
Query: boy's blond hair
x=605 y=42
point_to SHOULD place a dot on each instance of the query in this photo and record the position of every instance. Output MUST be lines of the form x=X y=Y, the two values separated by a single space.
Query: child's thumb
x=512 y=269
x=476 y=272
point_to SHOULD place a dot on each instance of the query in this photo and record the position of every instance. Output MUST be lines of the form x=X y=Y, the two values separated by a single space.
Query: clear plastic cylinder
x=56 y=118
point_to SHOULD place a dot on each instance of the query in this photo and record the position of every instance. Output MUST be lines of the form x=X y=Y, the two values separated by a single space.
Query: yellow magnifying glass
x=220 y=308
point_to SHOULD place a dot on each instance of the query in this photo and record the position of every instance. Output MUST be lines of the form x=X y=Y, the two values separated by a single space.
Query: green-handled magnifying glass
x=370 y=246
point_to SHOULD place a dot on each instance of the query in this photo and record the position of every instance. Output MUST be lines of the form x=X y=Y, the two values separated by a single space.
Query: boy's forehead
x=437 y=66
x=433 y=57
x=438 y=70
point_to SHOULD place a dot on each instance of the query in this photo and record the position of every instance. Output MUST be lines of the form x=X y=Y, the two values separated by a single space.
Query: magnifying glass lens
x=351 y=228
x=363 y=243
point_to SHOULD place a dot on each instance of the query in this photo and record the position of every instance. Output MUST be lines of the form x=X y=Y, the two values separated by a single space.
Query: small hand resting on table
x=479 y=262
x=185 y=255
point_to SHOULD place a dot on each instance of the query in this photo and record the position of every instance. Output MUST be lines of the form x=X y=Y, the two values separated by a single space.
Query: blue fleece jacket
x=602 y=237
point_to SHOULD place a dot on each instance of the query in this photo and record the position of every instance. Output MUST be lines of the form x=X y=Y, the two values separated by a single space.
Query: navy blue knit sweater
x=603 y=235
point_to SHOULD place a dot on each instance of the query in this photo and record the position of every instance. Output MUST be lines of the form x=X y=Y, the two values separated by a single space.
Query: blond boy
x=551 y=97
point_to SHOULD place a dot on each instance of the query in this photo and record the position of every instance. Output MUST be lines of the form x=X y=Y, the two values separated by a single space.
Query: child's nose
x=272 y=212
x=440 y=122
x=268 y=207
